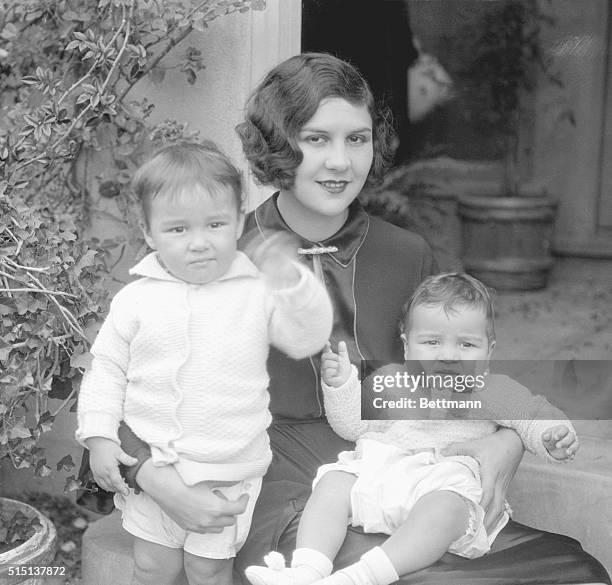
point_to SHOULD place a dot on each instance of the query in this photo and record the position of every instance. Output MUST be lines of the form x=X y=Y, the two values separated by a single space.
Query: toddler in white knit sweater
x=396 y=481
x=181 y=357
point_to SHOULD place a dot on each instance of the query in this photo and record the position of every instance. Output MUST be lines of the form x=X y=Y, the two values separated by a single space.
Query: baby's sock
x=374 y=568
x=310 y=565
x=307 y=566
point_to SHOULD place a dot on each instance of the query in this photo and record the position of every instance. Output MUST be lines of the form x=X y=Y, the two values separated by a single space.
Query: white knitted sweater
x=184 y=365
x=506 y=403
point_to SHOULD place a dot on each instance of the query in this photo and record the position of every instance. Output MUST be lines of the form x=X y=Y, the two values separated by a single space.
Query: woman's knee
x=205 y=571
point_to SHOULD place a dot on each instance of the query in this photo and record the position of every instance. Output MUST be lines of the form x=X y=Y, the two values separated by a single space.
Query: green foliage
x=16 y=530
x=66 y=71
x=498 y=57
x=69 y=523
x=497 y=62
x=67 y=68
x=52 y=297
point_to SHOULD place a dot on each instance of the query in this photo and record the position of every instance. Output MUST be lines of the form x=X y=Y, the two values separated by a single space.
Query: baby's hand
x=335 y=367
x=104 y=459
x=560 y=442
x=274 y=257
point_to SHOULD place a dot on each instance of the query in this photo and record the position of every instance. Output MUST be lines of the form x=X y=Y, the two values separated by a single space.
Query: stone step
x=106 y=553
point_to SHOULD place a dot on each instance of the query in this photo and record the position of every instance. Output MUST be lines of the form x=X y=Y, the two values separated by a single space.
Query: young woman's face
x=336 y=144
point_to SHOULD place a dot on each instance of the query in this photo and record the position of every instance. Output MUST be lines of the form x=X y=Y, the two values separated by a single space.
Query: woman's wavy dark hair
x=287 y=98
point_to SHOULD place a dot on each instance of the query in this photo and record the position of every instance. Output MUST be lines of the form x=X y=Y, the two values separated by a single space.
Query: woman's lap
x=519 y=555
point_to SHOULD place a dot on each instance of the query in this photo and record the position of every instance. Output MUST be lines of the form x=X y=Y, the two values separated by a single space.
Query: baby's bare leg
x=325 y=518
x=203 y=571
x=320 y=535
x=434 y=523
x=155 y=564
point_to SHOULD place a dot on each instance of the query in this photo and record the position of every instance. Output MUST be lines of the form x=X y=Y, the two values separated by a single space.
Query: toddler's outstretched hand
x=560 y=442
x=335 y=367
x=274 y=257
x=105 y=456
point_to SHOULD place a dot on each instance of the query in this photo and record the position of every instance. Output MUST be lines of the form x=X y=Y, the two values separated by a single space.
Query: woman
x=312 y=131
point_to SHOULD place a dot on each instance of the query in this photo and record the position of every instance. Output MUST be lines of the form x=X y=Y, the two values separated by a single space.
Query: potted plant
x=501 y=61
x=27 y=544
x=469 y=187
x=70 y=135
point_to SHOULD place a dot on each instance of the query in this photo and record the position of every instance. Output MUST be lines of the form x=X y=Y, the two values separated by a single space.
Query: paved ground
x=570 y=319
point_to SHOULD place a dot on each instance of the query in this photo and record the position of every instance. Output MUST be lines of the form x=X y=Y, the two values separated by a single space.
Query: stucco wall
x=214 y=104
x=237 y=51
x=567 y=159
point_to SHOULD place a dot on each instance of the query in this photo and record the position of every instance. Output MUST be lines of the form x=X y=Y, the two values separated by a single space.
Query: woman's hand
x=499 y=456
x=195 y=508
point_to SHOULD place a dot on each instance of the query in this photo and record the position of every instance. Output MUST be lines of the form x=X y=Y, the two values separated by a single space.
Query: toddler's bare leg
x=325 y=518
x=434 y=523
x=203 y=571
x=155 y=564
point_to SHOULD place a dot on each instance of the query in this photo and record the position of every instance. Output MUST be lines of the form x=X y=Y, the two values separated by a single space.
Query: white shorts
x=389 y=483
x=143 y=518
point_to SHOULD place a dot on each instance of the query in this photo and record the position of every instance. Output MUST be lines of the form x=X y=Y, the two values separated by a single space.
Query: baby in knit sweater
x=181 y=357
x=396 y=481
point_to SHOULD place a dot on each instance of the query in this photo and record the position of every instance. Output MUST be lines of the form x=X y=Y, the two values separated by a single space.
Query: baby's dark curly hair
x=287 y=98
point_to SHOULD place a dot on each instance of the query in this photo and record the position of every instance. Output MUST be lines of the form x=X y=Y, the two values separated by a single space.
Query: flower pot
x=37 y=551
x=506 y=240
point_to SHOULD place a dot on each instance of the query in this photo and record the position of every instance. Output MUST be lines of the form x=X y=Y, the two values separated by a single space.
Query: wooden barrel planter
x=506 y=240
x=37 y=551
